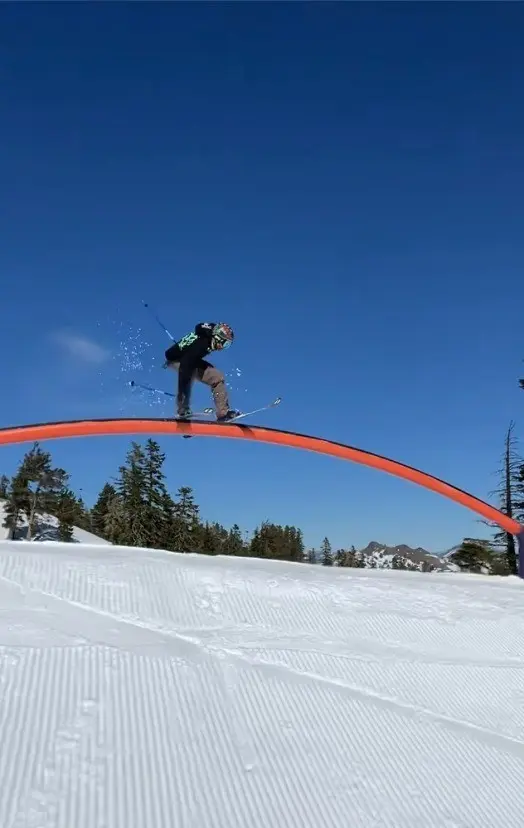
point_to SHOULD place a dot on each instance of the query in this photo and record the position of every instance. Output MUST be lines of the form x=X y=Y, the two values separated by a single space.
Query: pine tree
x=155 y=495
x=45 y=485
x=270 y=540
x=326 y=553
x=508 y=496
x=186 y=523
x=256 y=544
x=311 y=556
x=100 y=510
x=67 y=512
x=294 y=543
x=499 y=564
x=167 y=508
x=208 y=540
x=472 y=555
x=70 y=508
x=83 y=518
x=34 y=489
x=259 y=544
x=345 y=557
x=222 y=535
x=266 y=541
x=360 y=560
x=115 y=523
x=234 y=544
x=131 y=487
x=340 y=557
x=17 y=503
x=4 y=486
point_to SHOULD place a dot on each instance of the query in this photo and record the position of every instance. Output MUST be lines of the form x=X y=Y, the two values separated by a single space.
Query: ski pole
x=134 y=384
x=158 y=321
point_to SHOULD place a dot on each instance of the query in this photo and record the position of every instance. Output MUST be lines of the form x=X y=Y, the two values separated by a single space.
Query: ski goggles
x=221 y=343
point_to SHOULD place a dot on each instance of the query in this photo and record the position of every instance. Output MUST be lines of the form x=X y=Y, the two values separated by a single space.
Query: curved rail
x=201 y=428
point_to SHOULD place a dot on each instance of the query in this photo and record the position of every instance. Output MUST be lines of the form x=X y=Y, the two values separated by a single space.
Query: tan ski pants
x=211 y=376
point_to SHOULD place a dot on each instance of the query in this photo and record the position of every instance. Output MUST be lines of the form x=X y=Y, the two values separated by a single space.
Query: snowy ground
x=143 y=689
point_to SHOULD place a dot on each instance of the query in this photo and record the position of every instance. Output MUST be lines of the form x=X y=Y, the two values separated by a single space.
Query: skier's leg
x=182 y=400
x=211 y=376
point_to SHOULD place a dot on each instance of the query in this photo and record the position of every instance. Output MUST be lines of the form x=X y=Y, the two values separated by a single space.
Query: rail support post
x=520 y=552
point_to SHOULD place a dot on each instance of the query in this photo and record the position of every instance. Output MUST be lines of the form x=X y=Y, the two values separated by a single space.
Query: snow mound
x=144 y=688
x=47 y=530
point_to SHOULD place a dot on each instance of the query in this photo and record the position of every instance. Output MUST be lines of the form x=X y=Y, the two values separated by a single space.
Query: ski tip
x=131 y=383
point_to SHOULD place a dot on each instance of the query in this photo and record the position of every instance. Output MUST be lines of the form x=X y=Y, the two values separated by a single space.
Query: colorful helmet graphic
x=222 y=336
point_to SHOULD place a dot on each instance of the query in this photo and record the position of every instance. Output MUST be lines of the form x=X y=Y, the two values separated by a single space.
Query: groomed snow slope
x=144 y=689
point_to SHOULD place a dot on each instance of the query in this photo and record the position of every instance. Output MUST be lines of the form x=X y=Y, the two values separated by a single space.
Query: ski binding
x=240 y=416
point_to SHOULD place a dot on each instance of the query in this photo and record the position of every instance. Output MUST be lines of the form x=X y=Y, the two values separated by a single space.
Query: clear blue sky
x=342 y=183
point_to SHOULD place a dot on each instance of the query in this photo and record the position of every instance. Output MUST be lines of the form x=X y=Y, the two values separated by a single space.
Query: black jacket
x=189 y=351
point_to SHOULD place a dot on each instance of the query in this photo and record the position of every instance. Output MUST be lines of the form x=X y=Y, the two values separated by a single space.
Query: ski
x=240 y=416
x=243 y=414
x=207 y=411
x=195 y=415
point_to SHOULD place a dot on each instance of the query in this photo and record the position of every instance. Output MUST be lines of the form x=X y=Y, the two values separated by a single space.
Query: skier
x=187 y=357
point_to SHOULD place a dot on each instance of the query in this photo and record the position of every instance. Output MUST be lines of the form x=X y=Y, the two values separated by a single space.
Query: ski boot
x=184 y=413
x=229 y=415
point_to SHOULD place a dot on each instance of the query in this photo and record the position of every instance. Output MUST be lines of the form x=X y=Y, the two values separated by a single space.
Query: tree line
x=136 y=509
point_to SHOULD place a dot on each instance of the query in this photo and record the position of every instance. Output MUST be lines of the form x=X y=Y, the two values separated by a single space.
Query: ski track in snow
x=144 y=689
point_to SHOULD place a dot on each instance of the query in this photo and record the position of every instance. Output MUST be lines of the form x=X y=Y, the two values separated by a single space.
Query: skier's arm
x=204 y=329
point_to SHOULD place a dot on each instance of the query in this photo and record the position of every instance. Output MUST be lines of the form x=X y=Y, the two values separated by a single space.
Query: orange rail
x=91 y=428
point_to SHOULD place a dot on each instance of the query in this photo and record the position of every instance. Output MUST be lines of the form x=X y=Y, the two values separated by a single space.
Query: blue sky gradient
x=342 y=183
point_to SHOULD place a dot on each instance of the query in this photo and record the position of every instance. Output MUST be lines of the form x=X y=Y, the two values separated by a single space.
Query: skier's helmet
x=222 y=336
